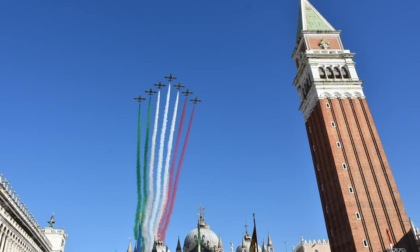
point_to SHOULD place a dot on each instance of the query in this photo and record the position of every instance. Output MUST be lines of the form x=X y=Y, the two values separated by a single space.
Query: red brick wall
x=375 y=196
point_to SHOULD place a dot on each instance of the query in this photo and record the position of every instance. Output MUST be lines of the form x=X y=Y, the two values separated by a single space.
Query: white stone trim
x=311 y=87
x=337 y=91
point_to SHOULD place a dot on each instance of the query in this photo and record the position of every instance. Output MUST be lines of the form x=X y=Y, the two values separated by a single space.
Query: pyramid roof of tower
x=311 y=20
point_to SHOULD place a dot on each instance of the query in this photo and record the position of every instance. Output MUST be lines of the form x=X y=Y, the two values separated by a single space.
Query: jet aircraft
x=170 y=77
x=139 y=98
x=150 y=92
x=187 y=93
x=179 y=86
x=196 y=100
x=160 y=85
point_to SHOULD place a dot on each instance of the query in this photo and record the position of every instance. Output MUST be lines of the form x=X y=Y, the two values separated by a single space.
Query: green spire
x=311 y=20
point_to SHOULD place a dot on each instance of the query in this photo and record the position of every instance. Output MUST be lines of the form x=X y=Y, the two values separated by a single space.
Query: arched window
x=329 y=73
x=321 y=73
x=345 y=73
x=337 y=73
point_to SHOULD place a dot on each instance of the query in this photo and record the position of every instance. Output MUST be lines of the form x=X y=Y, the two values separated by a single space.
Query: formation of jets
x=160 y=85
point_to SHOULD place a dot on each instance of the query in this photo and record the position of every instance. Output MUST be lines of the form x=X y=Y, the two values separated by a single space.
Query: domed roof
x=159 y=246
x=246 y=243
x=210 y=242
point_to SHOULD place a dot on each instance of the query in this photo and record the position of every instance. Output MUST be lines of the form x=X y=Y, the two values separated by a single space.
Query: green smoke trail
x=146 y=152
x=137 y=219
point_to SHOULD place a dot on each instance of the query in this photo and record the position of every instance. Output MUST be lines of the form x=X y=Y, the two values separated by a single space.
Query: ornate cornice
x=19 y=214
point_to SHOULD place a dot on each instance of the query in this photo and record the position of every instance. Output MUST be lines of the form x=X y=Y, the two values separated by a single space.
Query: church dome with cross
x=204 y=236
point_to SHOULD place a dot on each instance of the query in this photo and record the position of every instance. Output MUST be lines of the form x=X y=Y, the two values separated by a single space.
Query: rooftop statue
x=52 y=221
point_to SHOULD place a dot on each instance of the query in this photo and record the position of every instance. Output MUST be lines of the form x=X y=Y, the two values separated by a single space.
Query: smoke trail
x=146 y=152
x=167 y=161
x=137 y=248
x=139 y=196
x=157 y=199
x=151 y=176
x=172 y=178
x=181 y=160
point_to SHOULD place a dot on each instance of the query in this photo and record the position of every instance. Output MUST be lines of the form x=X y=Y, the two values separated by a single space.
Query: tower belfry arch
x=362 y=207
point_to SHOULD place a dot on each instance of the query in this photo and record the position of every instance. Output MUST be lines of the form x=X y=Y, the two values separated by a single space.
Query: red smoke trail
x=171 y=180
x=179 y=170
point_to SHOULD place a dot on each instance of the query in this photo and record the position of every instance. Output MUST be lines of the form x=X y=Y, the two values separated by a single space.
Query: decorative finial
x=201 y=213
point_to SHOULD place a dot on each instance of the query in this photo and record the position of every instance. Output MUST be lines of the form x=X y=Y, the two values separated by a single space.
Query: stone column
x=2 y=239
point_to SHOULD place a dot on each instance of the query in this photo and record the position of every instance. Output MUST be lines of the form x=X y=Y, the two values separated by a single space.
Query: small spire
x=178 y=246
x=154 y=249
x=129 y=249
x=269 y=241
x=264 y=248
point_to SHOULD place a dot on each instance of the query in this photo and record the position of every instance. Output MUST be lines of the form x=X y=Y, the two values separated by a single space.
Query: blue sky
x=69 y=71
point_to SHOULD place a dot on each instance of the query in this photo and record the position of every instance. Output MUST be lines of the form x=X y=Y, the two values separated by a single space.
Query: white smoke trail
x=157 y=199
x=149 y=243
x=167 y=162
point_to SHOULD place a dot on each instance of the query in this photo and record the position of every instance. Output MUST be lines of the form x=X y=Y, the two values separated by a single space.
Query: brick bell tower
x=362 y=208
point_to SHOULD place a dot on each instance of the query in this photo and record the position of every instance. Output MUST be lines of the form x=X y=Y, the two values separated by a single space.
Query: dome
x=210 y=242
x=159 y=246
x=246 y=243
